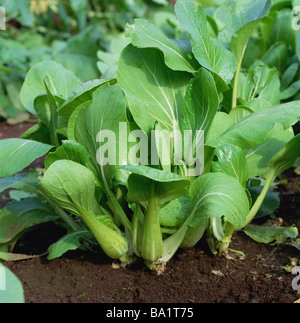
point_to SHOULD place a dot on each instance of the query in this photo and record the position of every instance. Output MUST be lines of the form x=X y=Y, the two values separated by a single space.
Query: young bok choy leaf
x=72 y=187
x=150 y=189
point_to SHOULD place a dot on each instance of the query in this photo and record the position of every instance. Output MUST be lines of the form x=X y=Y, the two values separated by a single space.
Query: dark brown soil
x=192 y=276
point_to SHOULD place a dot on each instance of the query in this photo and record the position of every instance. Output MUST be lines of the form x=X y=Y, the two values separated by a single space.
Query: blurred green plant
x=70 y=32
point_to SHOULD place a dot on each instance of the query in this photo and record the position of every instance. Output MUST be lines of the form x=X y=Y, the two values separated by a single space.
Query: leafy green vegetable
x=16 y=154
x=226 y=72
x=62 y=83
x=231 y=161
x=268 y=235
x=69 y=150
x=151 y=189
x=18 y=216
x=72 y=187
x=151 y=87
x=68 y=242
x=177 y=54
x=209 y=52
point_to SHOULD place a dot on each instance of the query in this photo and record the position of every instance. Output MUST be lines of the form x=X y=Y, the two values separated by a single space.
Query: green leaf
x=290 y=91
x=218 y=195
x=27 y=182
x=106 y=112
x=19 y=216
x=43 y=109
x=240 y=112
x=13 y=291
x=103 y=119
x=152 y=188
x=231 y=161
x=286 y=157
x=20 y=195
x=209 y=52
x=238 y=18
x=16 y=154
x=168 y=186
x=244 y=21
x=62 y=83
x=276 y=56
x=53 y=109
x=270 y=203
x=154 y=92
x=261 y=83
x=175 y=212
x=200 y=104
x=283 y=28
x=71 y=186
x=71 y=241
x=80 y=95
x=39 y=132
x=271 y=235
x=69 y=150
x=178 y=53
x=258 y=157
x=71 y=121
x=79 y=55
x=221 y=123
x=289 y=75
x=252 y=130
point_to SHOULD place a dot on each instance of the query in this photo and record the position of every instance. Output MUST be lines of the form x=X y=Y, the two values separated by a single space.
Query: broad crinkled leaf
x=62 y=83
x=252 y=130
x=154 y=92
x=221 y=123
x=241 y=18
x=178 y=53
x=71 y=241
x=106 y=112
x=69 y=185
x=168 y=186
x=19 y=216
x=231 y=161
x=218 y=195
x=200 y=104
x=268 y=235
x=286 y=157
x=175 y=213
x=17 y=154
x=239 y=15
x=259 y=156
x=260 y=84
x=70 y=150
x=209 y=52
x=27 y=182
x=80 y=95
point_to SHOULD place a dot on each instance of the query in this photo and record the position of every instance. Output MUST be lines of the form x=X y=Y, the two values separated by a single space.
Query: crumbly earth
x=192 y=276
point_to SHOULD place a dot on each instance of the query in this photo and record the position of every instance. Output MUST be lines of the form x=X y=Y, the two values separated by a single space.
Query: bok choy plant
x=117 y=173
